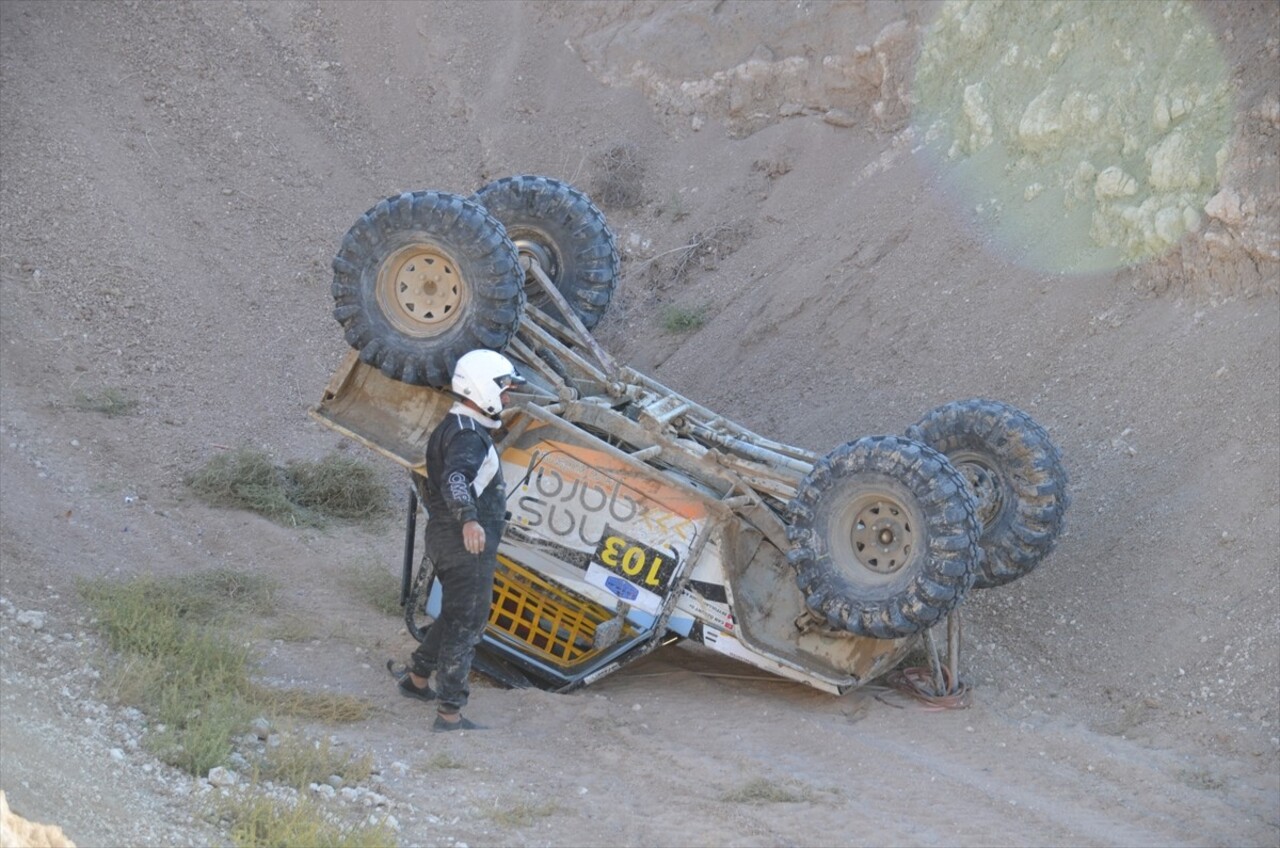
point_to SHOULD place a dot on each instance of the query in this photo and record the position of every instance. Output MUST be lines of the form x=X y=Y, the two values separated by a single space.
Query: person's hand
x=473 y=537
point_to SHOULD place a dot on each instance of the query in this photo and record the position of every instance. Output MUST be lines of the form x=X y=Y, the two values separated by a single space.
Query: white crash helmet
x=481 y=376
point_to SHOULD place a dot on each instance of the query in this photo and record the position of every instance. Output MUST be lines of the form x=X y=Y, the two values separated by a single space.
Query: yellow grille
x=553 y=624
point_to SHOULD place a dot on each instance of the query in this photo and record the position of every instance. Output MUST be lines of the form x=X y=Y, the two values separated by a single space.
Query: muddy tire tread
x=577 y=226
x=1028 y=527
x=487 y=262
x=945 y=573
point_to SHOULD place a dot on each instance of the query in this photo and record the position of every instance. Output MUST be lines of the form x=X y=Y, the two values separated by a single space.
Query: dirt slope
x=175 y=177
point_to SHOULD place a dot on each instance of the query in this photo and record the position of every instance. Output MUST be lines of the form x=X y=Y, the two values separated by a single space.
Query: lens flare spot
x=1084 y=135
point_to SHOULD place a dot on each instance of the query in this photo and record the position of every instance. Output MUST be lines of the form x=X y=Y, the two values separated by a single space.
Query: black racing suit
x=459 y=451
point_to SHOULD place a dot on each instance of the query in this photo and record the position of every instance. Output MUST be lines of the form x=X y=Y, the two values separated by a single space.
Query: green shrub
x=181 y=665
x=181 y=669
x=155 y=616
x=199 y=722
x=677 y=319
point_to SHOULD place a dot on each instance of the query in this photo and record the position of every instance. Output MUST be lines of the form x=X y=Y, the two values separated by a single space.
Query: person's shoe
x=443 y=725
x=425 y=693
x=407 y=687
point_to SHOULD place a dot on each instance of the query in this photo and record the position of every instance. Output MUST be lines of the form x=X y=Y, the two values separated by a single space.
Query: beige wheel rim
x=883 y=536
x=420 y=291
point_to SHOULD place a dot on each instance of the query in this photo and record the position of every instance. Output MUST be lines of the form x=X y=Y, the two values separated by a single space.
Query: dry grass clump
x=261 y=821
x=702 y=251
x=247 y=479
x=619 y=177
x=775 y=166
x=706 y=249
x=290 y=627
x=443 y=760
x=316 y=706
x=301 y=494
x=300 y=762
x=760 y=790
x=522 y=813
x=337 y=487
x=112 y=403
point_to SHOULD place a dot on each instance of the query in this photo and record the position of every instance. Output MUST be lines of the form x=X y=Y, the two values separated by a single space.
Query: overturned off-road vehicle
x=637 y=516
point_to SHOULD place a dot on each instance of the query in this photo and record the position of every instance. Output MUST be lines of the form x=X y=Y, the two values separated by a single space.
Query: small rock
x=839 y=118
x=222 y=776
x=32 y=618
x=1225 y=206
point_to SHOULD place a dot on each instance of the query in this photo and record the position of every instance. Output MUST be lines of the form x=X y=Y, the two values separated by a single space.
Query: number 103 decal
x=639 y=563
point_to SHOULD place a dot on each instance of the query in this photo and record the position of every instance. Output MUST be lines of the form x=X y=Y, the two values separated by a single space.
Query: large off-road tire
x=421 y=279
x=1014 y=472
x=561 y=228
x=884 y=537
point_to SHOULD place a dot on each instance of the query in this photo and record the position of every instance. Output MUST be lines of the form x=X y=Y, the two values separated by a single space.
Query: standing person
x=466 y=512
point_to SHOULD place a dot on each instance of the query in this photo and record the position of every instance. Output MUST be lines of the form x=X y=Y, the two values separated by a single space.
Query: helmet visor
x=509 y=381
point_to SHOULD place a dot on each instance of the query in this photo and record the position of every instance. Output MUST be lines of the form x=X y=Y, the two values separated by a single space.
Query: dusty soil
x=176 y=178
